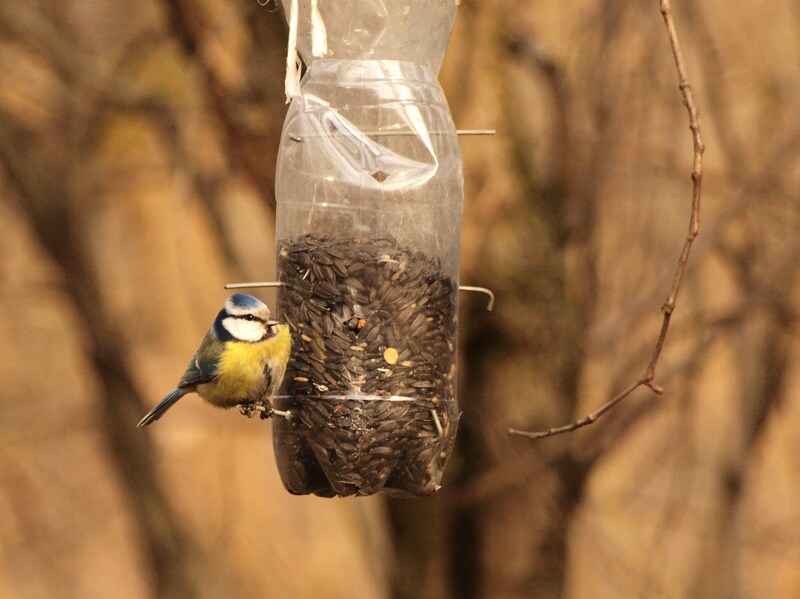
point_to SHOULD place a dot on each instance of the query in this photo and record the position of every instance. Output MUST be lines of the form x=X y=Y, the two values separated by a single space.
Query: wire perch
x=468 y=132
x=253 y=284
x=468 y=288
x=264 y=410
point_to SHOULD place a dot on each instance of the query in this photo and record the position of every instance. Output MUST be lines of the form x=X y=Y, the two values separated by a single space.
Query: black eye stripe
x=248 y=317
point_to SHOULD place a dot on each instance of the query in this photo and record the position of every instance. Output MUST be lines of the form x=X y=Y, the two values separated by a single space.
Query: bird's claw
x=260 y=409
x=263 y=409
x=247 y=410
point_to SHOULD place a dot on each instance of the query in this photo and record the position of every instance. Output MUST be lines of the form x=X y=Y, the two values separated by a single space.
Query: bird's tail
x=164 y=405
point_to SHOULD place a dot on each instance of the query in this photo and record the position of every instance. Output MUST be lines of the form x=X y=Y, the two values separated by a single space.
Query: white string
x=291 y=86
x=319 y=37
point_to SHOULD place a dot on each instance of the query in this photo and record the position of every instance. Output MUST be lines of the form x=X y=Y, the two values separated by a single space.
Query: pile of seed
x=370 y=384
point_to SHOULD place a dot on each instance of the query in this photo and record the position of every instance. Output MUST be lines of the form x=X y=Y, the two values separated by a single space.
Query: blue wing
x=202 y=368
x=204 y=364
x=164 y=405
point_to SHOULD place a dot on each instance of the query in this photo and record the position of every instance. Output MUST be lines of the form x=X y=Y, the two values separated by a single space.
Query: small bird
x=241 y=361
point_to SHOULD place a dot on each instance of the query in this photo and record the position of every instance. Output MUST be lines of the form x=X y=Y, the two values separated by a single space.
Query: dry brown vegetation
x=137 y=153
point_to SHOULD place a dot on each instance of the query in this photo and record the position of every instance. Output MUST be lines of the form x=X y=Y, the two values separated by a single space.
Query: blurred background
x=137 y=155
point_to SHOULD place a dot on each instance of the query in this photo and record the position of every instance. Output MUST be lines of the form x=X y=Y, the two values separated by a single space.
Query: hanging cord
x=319 y=37
x=319 y=46
x=291 y=85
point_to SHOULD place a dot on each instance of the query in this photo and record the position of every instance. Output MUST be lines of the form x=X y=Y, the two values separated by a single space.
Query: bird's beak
x=271 y=323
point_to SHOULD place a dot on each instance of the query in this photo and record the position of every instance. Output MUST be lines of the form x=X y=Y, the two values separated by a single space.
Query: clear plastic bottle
x=369 y=191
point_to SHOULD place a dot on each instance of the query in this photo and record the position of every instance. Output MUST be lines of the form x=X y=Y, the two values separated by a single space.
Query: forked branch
x=667 y=308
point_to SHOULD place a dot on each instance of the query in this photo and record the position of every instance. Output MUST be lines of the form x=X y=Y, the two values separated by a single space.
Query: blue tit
x=241 y=361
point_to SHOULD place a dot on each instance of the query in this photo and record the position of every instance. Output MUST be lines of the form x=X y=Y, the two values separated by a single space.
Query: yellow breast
x=240 y=373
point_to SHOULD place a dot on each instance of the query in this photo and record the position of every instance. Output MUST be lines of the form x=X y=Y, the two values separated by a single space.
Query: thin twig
x=647 y=379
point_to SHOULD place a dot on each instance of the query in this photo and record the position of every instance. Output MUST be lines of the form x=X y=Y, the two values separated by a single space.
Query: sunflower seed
x=351 y=303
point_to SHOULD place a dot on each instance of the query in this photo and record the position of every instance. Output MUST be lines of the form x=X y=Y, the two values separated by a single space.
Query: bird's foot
x=263 y=409
x=260 y=409
x=247 y=409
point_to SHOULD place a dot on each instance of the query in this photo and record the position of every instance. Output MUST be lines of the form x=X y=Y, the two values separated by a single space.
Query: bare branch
x=668 y=307
x=189 y=28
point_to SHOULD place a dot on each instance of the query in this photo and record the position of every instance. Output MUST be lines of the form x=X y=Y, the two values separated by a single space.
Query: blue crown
x=242 y=300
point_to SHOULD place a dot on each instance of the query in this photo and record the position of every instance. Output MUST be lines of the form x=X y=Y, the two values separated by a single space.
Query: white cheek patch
x=244 y=330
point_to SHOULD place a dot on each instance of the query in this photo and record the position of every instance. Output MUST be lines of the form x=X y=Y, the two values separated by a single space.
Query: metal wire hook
x=483 y=290
x=266 y=3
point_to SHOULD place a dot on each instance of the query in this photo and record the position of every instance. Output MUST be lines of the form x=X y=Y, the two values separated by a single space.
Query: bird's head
x=244 y=318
